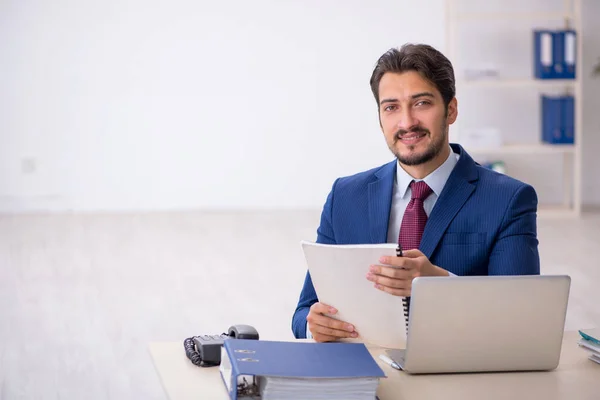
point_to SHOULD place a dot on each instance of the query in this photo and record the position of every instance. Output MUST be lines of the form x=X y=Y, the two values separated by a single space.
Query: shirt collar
x=435 y=180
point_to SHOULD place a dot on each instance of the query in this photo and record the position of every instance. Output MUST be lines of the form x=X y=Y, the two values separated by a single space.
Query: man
x=450 y=215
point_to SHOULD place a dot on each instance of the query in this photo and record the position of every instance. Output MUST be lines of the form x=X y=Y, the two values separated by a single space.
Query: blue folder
x=558 y=119
x=259 y=358
x=551 y=119
x=554 y=54
x=544 y=54
x=592 y=335
x=566 y=53
x=568 y=122
x=558 y=53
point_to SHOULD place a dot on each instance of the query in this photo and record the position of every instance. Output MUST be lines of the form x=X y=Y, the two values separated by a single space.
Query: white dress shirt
x=402 y=193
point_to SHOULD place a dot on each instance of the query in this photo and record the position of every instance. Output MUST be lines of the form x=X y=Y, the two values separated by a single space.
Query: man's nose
x=407 y=120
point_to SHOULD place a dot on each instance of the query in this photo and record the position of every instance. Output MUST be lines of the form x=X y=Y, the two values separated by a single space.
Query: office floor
x=81 y=296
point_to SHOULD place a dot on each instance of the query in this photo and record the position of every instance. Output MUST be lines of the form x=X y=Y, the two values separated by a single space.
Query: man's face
x=413 y=117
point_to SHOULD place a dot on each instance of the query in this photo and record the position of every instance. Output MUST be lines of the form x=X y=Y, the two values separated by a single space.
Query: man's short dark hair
x=426 y=60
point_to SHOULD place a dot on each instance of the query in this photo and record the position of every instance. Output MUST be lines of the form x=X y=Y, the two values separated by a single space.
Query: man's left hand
x=395 y=274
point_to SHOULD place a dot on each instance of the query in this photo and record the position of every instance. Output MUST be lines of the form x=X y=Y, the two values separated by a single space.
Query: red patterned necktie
x=413 y=225
x=415 y=218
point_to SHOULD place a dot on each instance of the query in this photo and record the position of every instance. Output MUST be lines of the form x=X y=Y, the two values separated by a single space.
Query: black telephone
x=205 y=350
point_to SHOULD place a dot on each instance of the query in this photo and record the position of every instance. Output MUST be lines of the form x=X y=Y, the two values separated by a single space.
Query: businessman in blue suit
x=459 y=218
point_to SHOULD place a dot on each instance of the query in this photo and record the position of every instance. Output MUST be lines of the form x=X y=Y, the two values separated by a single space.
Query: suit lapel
x=457 y=190
x=380 y=202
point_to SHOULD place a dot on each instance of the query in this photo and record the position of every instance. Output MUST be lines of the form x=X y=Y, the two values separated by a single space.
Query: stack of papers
x=325 y=389
x=590 y=341
x=338 y=275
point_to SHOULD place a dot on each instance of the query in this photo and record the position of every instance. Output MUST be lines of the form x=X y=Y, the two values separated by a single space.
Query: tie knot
x=420 y=190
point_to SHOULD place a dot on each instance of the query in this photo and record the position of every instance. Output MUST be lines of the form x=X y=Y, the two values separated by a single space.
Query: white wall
x=131 y=104
x=153 y=105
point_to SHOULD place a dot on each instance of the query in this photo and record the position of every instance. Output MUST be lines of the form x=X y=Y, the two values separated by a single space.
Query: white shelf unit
x=572 y=164
x=514 y=16
x=541 y=148
x=540 y=83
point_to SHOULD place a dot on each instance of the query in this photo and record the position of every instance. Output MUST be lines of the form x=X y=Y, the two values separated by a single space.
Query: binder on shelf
x=569 y=39
x=558 y=55
x=543 y=54
x=298 y=370
x=568 y=119
x=558 y=119
x=551 y=119
x=555 y=54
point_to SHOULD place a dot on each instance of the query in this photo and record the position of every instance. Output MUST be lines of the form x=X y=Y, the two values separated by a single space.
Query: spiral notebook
x=338 y=274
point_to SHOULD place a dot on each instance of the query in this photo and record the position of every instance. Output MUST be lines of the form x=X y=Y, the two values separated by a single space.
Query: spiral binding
x=406 y=305
x=405 y=300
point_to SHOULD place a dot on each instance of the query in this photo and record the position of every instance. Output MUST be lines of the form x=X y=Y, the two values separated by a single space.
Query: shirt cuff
x=308 y=334
x=449 y=274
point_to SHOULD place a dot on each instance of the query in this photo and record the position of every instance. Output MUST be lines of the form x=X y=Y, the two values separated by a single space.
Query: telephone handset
x=205 y=350
x=242 y=332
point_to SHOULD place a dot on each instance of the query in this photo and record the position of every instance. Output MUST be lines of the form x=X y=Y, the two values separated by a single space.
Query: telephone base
x=205 y=350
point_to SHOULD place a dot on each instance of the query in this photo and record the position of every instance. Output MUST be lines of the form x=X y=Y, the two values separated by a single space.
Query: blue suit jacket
x=483 y=223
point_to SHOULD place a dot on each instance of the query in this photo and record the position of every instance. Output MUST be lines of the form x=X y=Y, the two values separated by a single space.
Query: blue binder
x=543 y=54
x=558 y=53
x=568 y=120
x=251 y=359
x=551 y=119
x=569 y=47
x=555 y=54
x=558 y=119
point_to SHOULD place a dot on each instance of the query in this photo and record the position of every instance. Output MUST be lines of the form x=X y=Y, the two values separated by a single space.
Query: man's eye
x=390 y=108
x=423 y=102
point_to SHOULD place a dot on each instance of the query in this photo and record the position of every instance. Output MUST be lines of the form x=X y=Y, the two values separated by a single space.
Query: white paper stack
x=590 y=341
x=592 y=348
x=338 y=274
x=325 y=389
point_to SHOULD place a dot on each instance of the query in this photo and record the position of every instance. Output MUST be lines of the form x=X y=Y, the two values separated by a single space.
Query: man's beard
x=433 y=149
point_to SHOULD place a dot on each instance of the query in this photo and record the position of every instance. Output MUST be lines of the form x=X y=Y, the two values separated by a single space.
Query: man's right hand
x=326 y=329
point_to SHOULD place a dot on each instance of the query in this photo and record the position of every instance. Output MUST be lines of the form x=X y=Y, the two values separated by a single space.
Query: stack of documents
x=325 y=389
x=590 y=341
x=298 y=370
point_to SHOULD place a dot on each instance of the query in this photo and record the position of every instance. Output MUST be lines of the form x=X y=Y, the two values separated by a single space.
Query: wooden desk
x=575 y=378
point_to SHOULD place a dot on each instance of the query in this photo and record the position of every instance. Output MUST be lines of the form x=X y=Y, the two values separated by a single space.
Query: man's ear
x=452 y=111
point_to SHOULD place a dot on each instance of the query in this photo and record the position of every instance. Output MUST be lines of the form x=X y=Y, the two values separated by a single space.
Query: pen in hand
x=390 y=362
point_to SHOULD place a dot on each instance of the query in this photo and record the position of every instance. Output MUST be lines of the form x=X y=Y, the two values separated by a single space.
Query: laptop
x=485 y=324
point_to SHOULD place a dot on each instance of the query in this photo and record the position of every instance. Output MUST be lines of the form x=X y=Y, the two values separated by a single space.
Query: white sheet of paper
x=593 y=347
x=338 y=273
